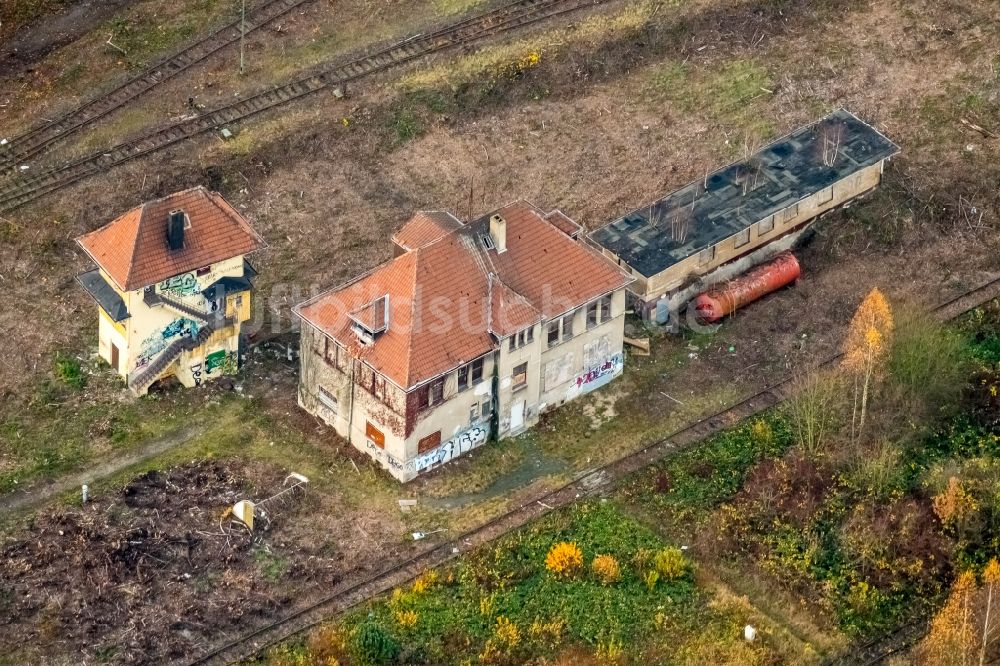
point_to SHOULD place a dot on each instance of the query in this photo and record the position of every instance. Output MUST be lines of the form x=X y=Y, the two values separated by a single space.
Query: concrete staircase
x=140 y=381
x=151 y=298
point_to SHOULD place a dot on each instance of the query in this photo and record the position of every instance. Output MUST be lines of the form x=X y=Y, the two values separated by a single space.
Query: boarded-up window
x=742 y=238
x=791 y=213
x=520 y=378
x=824 y=196
x=429 y=443
x=329 y=400
x=374 y=435
x=765 y=226
x=707 y=255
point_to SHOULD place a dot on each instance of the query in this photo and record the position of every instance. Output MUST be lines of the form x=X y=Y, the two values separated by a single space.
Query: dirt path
x=33 y=42
x=31 y=497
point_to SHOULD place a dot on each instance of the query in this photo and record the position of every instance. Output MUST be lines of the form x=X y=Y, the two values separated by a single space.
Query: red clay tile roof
x=424 y=228
x=446 y=297
x=133 y=248
x=510 y=312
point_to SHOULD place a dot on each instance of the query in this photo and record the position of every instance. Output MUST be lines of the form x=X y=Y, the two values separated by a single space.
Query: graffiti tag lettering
x=456 y=446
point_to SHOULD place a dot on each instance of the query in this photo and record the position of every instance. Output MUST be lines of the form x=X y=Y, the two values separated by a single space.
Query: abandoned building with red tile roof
x=470 y=332
x=173 y=287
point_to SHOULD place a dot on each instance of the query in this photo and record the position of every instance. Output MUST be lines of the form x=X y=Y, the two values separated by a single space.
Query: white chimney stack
x=498 y=230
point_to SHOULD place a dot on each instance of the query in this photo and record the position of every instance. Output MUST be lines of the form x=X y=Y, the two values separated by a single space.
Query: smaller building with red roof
x=173 y=287
x=469 y=333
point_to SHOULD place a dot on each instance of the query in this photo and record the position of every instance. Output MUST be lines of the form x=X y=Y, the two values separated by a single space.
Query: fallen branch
x=982 y=130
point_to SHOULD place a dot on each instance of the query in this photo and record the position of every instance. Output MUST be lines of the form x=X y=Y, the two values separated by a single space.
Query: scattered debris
x=406 y=505
x=749 y=633
x=639 y=344
x=417 y=536
x=243 y=511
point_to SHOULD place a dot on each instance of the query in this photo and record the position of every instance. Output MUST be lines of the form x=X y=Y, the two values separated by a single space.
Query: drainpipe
x=350 y=413
x=495 y=399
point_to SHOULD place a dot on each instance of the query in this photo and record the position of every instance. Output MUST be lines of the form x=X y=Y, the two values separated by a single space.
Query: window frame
x=742 y=238
x=605 y=308
x=324 y=395
x=706 y=256
x=761 y=229
x=552 y=337
x=521 y=370
x=463 y=377
x=790 y=213
x=593 y=314
x=435 y=392
x=567 y=325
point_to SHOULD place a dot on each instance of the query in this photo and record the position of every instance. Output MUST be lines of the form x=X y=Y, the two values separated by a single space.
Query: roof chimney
x=498 y=230
x=175 y=229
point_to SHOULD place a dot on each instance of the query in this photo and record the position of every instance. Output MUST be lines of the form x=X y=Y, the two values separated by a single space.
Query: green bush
x=670 y=563
x=928 y=362
x=374 y=645
x=69 y=370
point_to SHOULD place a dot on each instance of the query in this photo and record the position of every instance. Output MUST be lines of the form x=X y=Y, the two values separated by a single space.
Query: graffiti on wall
x=159 y=340
x=596 y=352
x=558 y=371
x=180 y=285
x=221 y=362
x=454 y=447
x=600 y=375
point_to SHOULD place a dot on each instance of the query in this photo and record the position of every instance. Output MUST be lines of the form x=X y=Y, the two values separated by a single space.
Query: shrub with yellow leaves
x=606 y=569
x=407 y=619
x=670 y=563
x=564 y=559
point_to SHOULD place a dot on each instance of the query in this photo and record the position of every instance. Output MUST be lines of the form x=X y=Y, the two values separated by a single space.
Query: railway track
x=24 y=146
x=505 y=18
x=586 y=484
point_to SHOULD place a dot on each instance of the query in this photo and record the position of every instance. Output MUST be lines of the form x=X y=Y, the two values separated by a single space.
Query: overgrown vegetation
x=530 y=596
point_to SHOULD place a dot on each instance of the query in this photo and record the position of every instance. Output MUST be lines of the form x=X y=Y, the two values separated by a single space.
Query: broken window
x=474 y=414
x=529 y=335
x=203 y=271
x=435 y=392
x=765 y=226
x=553 y=334
x=470 y=374
x=742 y=238
x=592 y=315
x=520 y=377
x=513 y=343
x=567 y=325
x=605 y=304
x=487 y=408
x=328 y=400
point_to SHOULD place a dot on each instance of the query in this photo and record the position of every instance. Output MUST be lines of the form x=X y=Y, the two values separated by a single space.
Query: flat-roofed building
x=744 y=213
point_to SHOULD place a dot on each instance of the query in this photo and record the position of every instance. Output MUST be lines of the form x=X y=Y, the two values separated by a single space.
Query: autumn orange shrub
x=606 y=568
x=564 y=559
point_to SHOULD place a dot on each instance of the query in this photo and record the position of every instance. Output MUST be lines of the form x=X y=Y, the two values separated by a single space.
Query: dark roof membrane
x=104 y=294
x=709 y=210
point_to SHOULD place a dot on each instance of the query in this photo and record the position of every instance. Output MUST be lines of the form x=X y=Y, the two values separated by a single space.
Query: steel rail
x=26 y=145
x=503 y=19
x=588 y=483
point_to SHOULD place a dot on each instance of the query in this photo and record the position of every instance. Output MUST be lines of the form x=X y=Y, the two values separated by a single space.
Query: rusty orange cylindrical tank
x=724 y=299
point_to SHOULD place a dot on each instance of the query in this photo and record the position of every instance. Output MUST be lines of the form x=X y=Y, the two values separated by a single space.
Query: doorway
x=517 y=416
x=114 y=356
